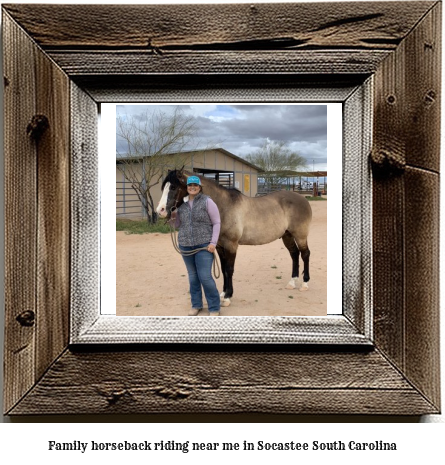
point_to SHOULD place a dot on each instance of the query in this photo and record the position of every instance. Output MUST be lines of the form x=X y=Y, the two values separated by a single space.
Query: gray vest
x=196 y=227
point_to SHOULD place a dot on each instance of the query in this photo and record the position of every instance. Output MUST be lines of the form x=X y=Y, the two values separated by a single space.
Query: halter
x=174 y=208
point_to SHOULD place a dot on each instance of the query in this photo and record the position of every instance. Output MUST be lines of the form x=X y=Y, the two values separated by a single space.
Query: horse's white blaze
x=161 y=209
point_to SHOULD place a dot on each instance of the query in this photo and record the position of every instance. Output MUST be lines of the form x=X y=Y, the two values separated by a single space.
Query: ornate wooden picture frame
x=381 y=59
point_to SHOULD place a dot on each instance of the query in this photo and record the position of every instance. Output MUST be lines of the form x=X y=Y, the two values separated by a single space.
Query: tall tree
x=276 y=159
x=148 y=138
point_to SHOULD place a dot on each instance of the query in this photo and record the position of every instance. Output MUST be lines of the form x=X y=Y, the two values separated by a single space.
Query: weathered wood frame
x=352 y=326
x=75 y=57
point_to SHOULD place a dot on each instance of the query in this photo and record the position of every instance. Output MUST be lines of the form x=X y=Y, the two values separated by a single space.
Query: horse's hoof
x=224 y=302
x=291 y=284
x=304 y=287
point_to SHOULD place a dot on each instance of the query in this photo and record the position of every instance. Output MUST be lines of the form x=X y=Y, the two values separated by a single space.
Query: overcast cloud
x=242 y=129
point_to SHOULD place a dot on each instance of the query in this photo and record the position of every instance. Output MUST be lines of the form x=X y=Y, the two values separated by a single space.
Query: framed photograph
x=376 y=353
x=250 y=151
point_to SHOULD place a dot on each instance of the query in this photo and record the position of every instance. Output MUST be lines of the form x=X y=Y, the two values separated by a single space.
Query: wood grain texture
x=85 y=212
x=389 y=145
x=349 y=25
x=408 y=84
x=215 y=381
x=423 y=92
x=388 y=268
x=357 y=224
x=37 y=217
x=397 y=42
x=229 y=39
x=20 y=214
x=266 y=87
x=406 y=206
x=53 y=225
x=422 y=288
x=78 y=63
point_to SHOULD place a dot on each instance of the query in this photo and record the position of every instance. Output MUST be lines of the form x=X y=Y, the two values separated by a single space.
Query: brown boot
x=194 y=311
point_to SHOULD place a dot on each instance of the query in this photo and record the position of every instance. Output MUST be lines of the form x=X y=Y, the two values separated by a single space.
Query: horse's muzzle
x=162 y=212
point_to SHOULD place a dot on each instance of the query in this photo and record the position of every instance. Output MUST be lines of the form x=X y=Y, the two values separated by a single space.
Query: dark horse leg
x=295 y=251
x=305 y=254
x=227 y=259
x=290 y=244
x=222 y=260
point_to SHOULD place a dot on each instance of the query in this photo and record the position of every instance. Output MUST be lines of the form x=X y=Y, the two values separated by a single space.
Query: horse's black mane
x=172 y=178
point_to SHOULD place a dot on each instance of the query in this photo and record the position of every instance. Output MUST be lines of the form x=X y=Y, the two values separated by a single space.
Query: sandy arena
x=152 y=278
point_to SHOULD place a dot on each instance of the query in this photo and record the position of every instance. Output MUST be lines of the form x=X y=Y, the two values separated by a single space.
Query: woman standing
x=199 y=226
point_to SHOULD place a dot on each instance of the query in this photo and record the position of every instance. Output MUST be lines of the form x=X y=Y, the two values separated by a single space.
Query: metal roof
x=219 y=149
x=291 y=173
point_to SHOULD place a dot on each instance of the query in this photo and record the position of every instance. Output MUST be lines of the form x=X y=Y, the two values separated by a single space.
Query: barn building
x=218 y=164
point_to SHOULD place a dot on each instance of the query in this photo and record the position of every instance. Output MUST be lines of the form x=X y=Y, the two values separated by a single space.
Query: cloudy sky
x=242 y=129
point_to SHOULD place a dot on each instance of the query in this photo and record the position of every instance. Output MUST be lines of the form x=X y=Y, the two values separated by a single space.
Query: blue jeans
x=199 y=268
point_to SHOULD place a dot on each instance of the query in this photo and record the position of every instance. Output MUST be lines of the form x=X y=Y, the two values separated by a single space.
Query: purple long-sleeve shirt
x=213 y=212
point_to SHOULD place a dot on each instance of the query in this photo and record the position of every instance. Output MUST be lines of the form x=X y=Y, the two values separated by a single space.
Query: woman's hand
x=211 y=248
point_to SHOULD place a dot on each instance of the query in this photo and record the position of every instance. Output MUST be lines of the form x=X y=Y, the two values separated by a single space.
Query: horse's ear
x=180 y=174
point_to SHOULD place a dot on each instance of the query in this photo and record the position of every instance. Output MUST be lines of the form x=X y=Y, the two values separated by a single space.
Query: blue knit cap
x=193 y=180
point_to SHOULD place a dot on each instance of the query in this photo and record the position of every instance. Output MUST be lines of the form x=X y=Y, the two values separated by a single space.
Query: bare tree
x=148 y=139
x=276 y=159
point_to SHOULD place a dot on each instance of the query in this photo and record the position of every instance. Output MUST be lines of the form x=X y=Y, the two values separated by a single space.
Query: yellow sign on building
x=247 y=183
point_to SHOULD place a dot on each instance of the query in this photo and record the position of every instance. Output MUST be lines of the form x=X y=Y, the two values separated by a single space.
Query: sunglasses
x=192 y=185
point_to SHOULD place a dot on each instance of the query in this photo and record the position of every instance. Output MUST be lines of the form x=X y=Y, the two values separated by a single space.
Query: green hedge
x=141 y=226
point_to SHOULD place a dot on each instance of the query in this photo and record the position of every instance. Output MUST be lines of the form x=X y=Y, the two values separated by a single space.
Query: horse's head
x=174 y=189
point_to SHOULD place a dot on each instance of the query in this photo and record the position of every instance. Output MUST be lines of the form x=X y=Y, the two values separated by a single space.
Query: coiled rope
x=174 y=238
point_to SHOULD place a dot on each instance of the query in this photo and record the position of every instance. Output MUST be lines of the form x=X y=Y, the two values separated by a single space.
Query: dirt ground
x=151 y=278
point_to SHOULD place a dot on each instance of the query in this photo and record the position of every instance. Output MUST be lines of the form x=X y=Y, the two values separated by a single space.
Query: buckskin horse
x=248 y=221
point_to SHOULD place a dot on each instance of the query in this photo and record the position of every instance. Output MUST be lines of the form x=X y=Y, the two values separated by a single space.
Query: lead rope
x=174 y=238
